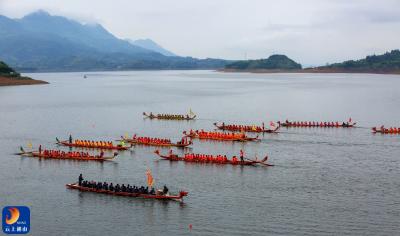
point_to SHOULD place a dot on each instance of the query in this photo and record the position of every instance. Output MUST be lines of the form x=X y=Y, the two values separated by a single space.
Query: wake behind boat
x=219 y=159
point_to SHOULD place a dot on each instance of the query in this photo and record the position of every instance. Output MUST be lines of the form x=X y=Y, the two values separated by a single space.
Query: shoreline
x=310 y=70
x=9 y=81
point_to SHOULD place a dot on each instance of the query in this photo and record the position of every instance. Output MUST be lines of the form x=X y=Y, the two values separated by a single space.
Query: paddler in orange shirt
x=234 y=160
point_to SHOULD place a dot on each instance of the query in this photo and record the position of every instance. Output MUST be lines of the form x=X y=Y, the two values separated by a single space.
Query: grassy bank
x=10 y=81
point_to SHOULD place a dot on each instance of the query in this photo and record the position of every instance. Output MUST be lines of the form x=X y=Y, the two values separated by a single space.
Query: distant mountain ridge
x=91 y=35
x=151 y=45
x=42 y=42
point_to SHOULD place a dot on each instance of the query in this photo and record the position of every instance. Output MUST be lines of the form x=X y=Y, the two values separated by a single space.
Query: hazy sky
x=310 y=31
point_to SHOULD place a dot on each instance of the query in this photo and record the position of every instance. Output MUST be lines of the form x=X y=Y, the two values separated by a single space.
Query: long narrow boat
x=253 y=129
x=68 y=144
x=248 y=162
x=243 y=138
x=384 y=130
x=41 y=155
x=318 y=124
x=137 y=141
x=169 y=116
x=176 y=197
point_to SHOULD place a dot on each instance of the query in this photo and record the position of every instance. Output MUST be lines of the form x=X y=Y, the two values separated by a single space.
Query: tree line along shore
x=388 y=63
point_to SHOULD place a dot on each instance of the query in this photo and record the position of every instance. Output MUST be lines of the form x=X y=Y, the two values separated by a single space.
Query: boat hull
x=385 y=132
x=238 y=163
x=229 y=162
x=223 y=139
x=167 y=118
x=133 y=141
x=247 y=130
x=317 y=126
x=66 y=143
x=41 y=156
x=124 y=194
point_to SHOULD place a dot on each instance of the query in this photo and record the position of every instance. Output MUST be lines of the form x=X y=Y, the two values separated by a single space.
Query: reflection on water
x=325 y=182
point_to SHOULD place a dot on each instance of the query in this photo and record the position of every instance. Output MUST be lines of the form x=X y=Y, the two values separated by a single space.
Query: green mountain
x=43 y=42
x=388 y=62
x=8 y=76
x=274 y=62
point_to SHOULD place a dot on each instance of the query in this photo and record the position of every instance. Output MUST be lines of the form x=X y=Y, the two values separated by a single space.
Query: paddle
x=109 y=158
x=252 y=139
x=23 y=152
x=260 y=162
x=250 y=159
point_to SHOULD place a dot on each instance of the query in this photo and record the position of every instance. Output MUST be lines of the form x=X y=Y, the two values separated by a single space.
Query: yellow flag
x=191 y=112
x=30 y=145
x=150 y=180
x=126 y=135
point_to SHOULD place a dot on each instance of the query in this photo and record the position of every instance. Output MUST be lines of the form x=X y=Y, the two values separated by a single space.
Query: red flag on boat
x=150 y=180
x=350 y=120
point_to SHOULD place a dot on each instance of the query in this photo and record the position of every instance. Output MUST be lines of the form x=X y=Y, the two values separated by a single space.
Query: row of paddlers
x=160 y=142
x=148 y=192
x=176 y=197
x=274 y=128
x=189 y=157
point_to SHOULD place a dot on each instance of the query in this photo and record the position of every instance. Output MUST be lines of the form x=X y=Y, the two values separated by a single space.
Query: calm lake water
x=325 y=182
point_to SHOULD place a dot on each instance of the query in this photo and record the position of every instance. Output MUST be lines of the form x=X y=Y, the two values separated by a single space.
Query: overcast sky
x=312 y=32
